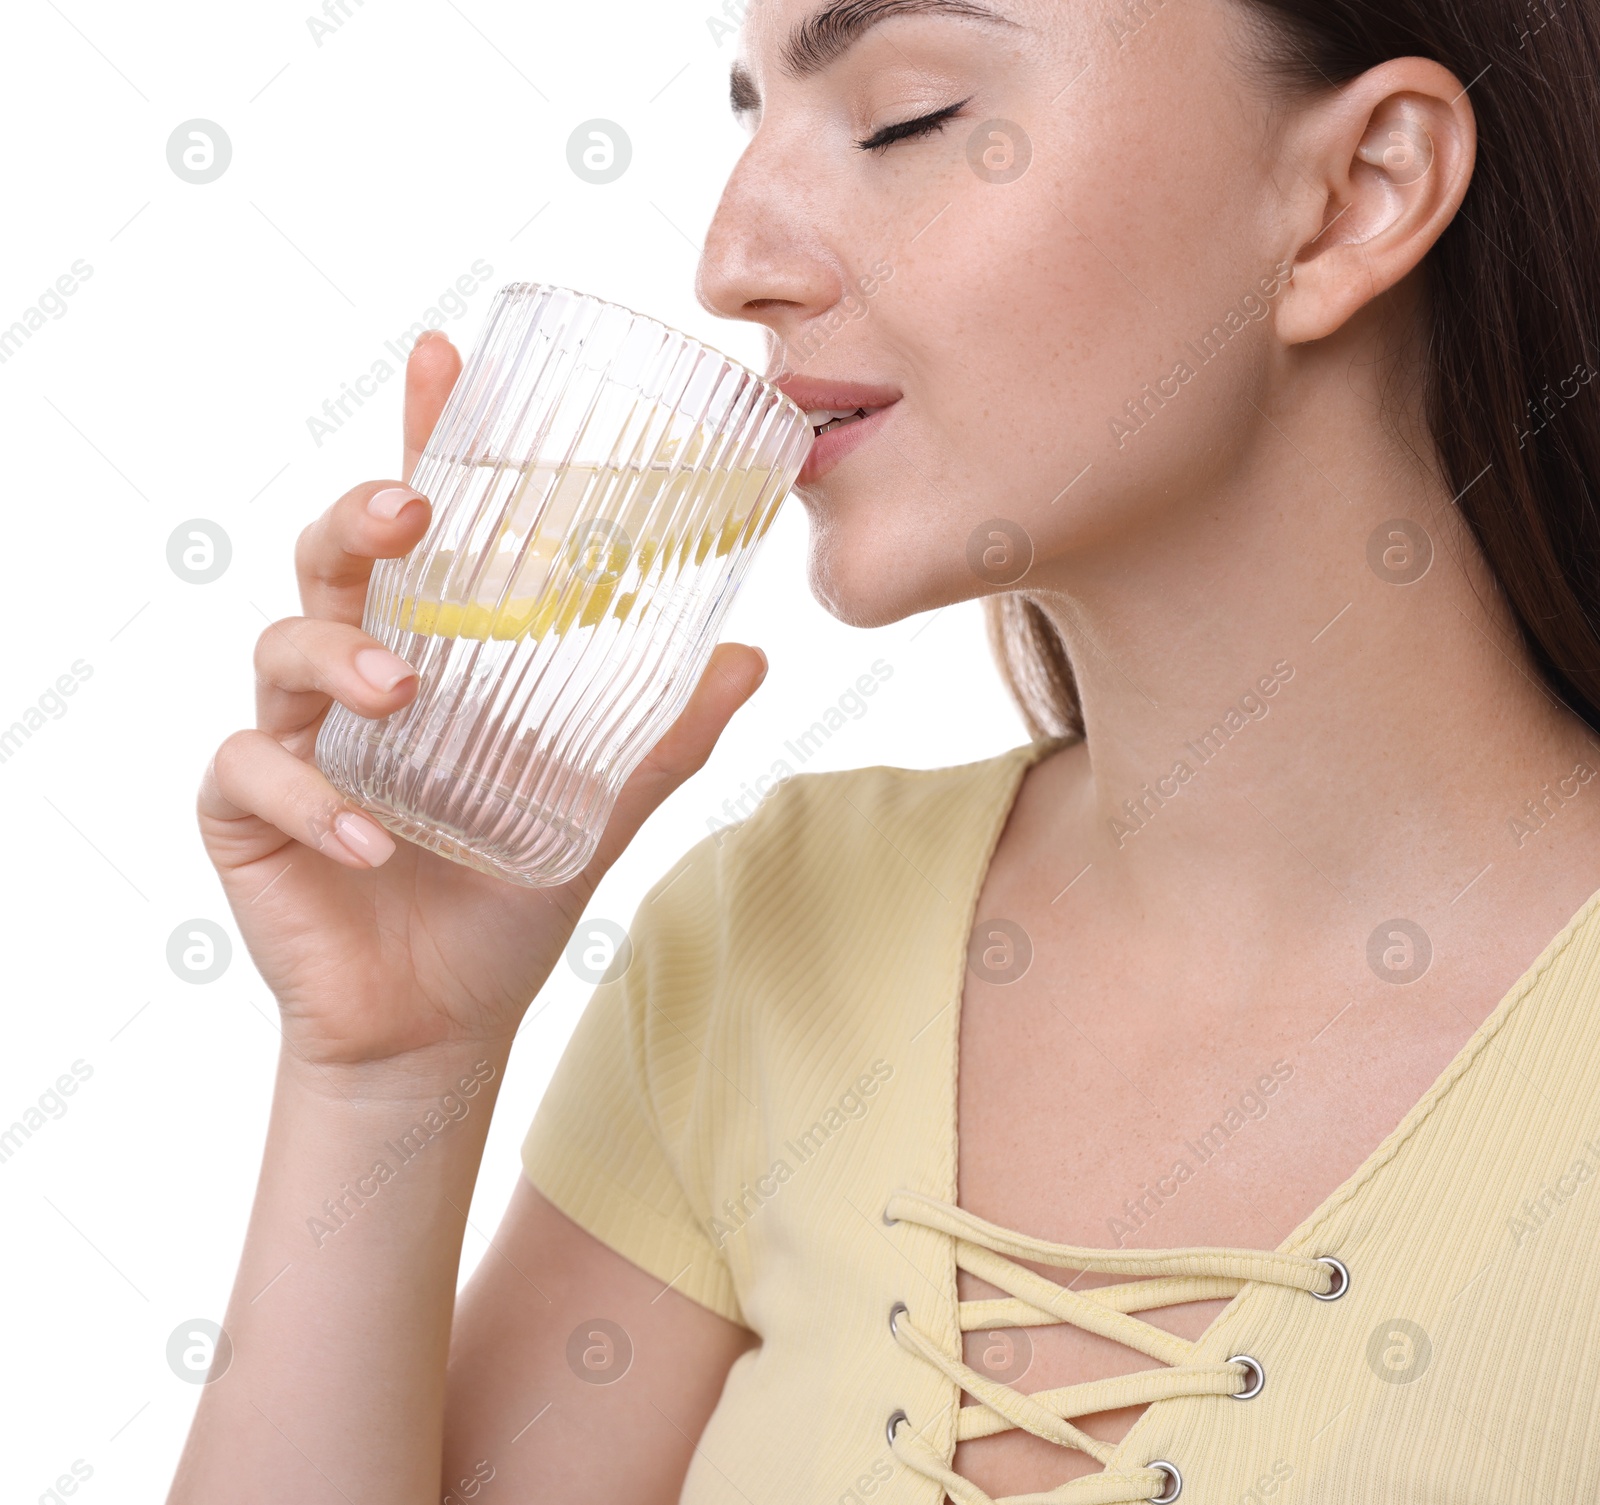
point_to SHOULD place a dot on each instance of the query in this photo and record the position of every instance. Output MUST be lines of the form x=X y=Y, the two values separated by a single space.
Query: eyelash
x=924 y=125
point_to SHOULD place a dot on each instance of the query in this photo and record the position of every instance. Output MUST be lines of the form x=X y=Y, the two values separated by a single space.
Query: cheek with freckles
x=1036 y=324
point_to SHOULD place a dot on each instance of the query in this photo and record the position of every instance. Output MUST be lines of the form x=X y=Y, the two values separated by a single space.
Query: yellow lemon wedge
x=579 y=595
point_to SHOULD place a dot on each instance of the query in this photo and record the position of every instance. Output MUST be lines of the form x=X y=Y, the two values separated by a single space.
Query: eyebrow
x=827 y=34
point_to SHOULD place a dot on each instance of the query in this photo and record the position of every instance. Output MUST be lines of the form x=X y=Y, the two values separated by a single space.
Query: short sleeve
x=607 y=1142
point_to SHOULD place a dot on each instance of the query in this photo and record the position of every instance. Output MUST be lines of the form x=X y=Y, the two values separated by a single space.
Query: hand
x=375 y=947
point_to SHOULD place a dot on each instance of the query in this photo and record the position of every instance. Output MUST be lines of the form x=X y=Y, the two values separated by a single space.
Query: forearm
x=340 y=1314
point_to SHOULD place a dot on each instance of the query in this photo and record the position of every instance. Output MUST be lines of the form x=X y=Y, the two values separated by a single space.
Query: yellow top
x=774 y=1073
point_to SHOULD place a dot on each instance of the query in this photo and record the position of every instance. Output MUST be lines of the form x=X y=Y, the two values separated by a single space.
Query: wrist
x=461 y=1068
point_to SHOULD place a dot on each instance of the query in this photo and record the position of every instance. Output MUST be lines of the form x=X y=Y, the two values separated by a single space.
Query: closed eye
x=923 y=125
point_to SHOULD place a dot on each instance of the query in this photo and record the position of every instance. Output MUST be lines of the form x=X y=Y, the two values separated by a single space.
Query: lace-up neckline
x=1172 y=1276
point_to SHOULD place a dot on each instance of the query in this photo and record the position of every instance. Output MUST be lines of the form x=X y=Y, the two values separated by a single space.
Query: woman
x=1239 y=354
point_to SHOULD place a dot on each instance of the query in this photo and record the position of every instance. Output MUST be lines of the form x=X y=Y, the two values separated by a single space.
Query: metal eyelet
x=1261 y=1376
x=894 y=1312
x=1174 y=1489
x=894 y=1420
x=1344 y=1279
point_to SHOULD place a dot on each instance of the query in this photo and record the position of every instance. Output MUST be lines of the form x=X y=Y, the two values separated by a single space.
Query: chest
x=1465 y=1206
x=1136 y=1125
x=1450 y=1159
x=1095 y=1106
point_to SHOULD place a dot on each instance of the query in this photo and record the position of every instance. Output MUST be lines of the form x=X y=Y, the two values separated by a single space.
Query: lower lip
x=828 y=449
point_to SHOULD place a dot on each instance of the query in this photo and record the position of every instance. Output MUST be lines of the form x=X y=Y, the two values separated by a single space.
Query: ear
x=1384 y=164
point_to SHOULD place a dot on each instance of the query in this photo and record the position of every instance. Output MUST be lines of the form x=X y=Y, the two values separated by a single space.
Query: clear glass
x=600 y=484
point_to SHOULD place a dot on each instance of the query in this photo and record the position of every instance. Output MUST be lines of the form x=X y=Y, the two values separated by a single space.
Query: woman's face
x=1091 y=225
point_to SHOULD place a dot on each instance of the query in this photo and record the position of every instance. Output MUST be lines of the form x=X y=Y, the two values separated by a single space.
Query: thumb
x=730 y=678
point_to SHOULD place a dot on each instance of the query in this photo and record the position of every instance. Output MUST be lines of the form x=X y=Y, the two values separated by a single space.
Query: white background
x=368 y=173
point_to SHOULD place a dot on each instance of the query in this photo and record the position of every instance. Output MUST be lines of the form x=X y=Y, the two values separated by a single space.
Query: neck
x=1269 y=708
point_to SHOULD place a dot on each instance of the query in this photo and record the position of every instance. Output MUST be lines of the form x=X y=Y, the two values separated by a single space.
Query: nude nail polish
x=389 y=502
x=381 y=669
x=364 y=838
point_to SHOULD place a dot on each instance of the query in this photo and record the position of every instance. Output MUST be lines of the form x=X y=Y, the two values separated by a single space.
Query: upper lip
x=809 y=393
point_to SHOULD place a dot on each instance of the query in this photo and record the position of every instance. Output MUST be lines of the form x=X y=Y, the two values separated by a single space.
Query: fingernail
x=761 y=673
x=364 y=838
x=381 y=669
x=388 y=503
x=430 y=334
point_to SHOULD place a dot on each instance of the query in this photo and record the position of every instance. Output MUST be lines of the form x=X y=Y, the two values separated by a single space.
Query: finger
x=431 y=371
x=256 y=796
x=333 y=556
x=303 y=663
x=731 y=676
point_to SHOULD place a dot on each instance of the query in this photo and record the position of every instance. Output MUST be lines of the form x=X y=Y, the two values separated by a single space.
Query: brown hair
x=1513 y=286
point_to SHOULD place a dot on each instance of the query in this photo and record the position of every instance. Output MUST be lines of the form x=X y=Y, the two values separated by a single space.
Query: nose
x=765 y=258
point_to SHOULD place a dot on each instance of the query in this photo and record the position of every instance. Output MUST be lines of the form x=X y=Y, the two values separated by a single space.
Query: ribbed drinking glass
x=600 y=483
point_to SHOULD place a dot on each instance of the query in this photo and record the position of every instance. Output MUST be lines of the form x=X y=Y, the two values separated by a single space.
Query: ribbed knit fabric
x=736 y=1110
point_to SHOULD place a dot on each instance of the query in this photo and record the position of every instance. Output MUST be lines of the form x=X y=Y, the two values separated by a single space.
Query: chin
x=869 y=578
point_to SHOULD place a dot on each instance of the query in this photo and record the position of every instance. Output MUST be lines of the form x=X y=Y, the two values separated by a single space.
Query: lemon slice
x=558 y=586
